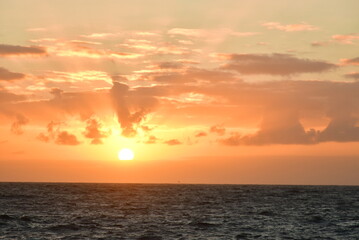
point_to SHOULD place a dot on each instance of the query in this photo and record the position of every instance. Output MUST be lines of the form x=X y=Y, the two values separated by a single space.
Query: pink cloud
x=173 y=142
x=351 y=61
x=187 y=32
x=346 y=39
x=84 y=49
x=100 y=35
x=208 y=33
x=289 y=27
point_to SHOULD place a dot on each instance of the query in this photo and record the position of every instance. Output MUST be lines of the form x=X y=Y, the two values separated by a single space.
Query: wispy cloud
x=273 y=64
x=16 y=50
x=290 y=27
x=352 y=75
x=350 y=61
x=8 y=76
x=346 y=39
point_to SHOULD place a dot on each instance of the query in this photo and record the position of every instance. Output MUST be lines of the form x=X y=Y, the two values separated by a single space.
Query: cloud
x=7 y=97
x=289 y=27
x=244 y=34
x=201 y=134
x=151 y=140
x=202 y=33
x=341 y=129
x=218 y=129
x=352 y=61
x=8 y=76
x=343 y=112
x=346 y=39
x=66 y=138
x=352 y=75
x=16 y=126
x=36 y=29
x=175 y=73
x=282 y=127
x=93 y=131
x=273 y=64
x=202 y=97
x=87 y=50
x=100 y=35
x=131 y=114
x=187 y=32
x=319 y=43
x=14 y=50
x=281 y=120
x=53 y=128
x=172 y=142
x=54 y=133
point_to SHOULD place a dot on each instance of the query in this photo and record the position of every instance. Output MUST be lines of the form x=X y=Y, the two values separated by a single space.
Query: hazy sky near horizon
x=231 y=91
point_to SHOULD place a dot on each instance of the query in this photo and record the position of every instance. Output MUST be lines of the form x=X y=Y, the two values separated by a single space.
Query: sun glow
x=126 y=154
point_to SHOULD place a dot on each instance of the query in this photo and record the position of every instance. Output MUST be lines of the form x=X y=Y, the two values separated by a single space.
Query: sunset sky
x=205 y=91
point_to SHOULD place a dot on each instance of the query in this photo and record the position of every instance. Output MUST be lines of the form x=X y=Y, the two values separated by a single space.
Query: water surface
x=160 y=211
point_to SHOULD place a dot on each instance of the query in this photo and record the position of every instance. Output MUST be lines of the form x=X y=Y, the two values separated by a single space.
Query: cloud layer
x=16 y=50
x=274 y=64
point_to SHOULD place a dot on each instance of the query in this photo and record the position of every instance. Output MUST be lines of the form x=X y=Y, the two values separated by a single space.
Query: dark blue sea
x=179 y=211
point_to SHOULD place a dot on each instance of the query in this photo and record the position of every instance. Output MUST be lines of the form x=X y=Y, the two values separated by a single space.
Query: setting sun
x=125 y=154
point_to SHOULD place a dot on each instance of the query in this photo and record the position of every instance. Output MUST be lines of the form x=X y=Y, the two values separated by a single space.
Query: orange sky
x=208 y=91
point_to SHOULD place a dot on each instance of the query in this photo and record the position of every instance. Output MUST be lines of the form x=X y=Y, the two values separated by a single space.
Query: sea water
x=177 y=211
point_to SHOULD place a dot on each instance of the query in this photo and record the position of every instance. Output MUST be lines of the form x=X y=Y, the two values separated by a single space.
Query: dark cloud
x=218 y=129
x=53 y=128
x=6 y=97
x=351 y=61
x=201 y=134
x=196 y=75
x=173 y=142
x=341 y=129
x=43 y=137
x=274 y=64
x=66 y=138
x=56 y=92
x=54 y=133
x=343 y=112
x=170 y=65
x=17 y=125
x=277 y=127
x=282 y=125
x=13 y=50
x=93 y=131
x=119 y=78
x=130 y=109
x=353 y=75
x=281 y=106
x=8 y=76
x=176 y=73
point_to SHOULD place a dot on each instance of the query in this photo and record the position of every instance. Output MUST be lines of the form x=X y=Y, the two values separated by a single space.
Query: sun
x=126 y=154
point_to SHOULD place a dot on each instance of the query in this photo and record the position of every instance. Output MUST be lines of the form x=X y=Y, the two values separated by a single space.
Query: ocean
x=177 y=211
